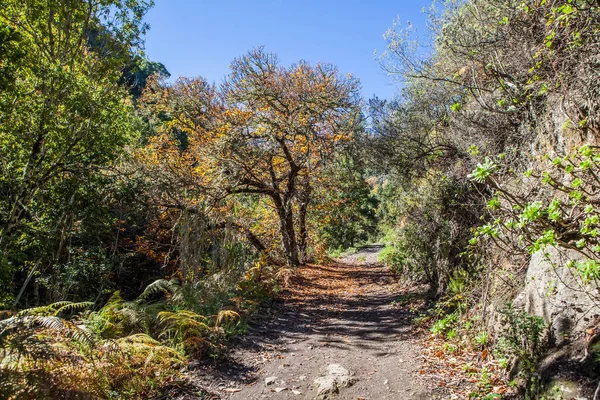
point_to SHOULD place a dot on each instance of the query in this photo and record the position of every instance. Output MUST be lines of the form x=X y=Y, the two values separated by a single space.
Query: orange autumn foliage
x=250 y=151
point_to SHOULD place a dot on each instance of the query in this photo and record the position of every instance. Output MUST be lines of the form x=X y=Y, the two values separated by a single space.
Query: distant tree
x=137 y=72
x=344 y=207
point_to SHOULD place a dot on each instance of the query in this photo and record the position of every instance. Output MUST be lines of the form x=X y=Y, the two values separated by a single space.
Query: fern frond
x=29 y=323
x=139 y=338
x=54 y=309
x=184 y=324
x=117 y=317
x=142 y=342
x=71 y=307
x=132 y=315
x=180 y=316
x=226 y=316
x=42 y=310
x=115 y=299
x=170 y=286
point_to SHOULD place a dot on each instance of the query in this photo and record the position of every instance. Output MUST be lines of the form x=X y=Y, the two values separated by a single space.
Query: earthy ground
x=344 y=313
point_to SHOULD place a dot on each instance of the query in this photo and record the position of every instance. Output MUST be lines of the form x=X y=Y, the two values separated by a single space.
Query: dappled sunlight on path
x=341 y=313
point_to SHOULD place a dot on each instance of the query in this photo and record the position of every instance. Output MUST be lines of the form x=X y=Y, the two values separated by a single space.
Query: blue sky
x=202 y=37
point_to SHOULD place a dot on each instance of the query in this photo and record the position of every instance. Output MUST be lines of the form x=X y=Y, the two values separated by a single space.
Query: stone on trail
x=336 y=377
x=270 y=380
x=337 y=369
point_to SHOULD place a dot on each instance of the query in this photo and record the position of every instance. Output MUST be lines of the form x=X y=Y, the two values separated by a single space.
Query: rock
x=555 y=293
x=326 y=385
x=302 y=378
x=563 y=389
x=280 y=389
x=337 y=369
x=335 y=377
x=296 y=392
x=270 y=380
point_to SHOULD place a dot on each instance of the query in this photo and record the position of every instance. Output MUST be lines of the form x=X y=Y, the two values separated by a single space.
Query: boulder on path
x=335 y=377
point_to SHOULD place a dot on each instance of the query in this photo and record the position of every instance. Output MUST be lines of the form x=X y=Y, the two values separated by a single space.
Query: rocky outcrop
x=555 y=292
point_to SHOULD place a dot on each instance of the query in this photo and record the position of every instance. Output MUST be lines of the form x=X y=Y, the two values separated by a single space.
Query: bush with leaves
x=426 y=223
x=523 y=339
x=568 y=219
x=509 y=88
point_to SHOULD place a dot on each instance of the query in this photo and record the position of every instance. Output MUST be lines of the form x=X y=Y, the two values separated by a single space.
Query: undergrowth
x=127 y=349
x=494 y=362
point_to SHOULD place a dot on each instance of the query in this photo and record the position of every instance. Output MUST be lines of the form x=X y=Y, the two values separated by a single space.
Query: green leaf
x=483 y=171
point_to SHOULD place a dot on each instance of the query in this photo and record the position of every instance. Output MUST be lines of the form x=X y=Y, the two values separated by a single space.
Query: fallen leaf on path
x=500 y=389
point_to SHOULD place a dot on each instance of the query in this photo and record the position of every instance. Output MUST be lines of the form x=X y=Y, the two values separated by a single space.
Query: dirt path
x=342 y=314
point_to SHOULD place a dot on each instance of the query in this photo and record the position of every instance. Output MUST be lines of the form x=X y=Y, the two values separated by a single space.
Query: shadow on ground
x=345 y=309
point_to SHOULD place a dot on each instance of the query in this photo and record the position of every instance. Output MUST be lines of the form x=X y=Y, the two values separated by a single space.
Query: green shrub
x=444 y=324
x=393 y=257
x=523 y=338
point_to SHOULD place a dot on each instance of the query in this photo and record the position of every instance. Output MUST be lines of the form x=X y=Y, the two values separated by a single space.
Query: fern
x=38 y=365
x=183 y=320
x=226 y=317
x=139 y=338
x=30 y=323
x=74 y=307
x=171 y=286
x=56 y=309
x=140 y=343
x=115 y=299
x=26 y=323
x=186 y=328
x=118 y=318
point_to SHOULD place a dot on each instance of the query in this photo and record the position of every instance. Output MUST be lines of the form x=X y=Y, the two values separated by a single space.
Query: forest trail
x=343 y=313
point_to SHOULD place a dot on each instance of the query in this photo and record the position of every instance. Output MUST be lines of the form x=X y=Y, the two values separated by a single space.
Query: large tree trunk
x=290 y=244
x=302 y=229
x=288 y=234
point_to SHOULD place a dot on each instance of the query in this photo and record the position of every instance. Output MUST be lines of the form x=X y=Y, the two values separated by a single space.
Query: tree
x=265 y=133
x=285 y=122
x=344 y=207
x=63 y=114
